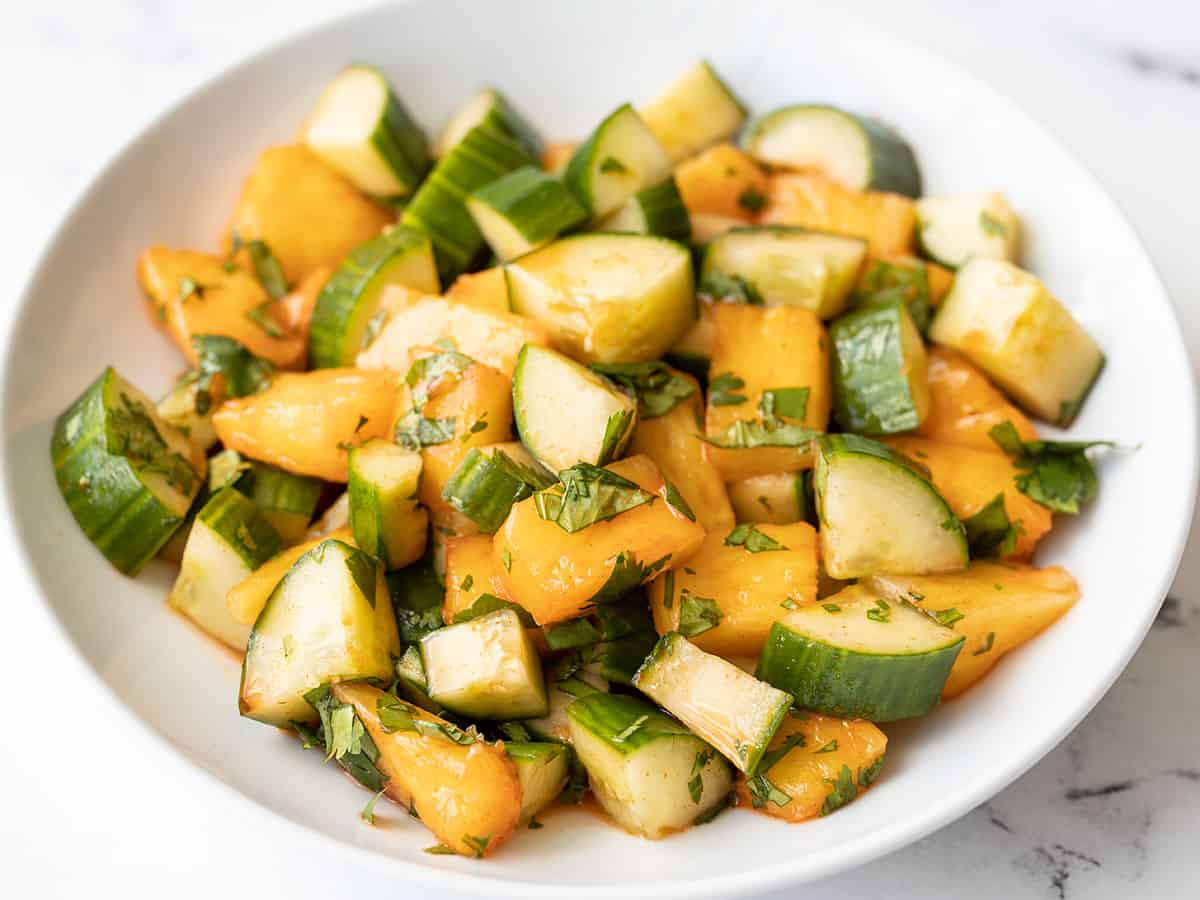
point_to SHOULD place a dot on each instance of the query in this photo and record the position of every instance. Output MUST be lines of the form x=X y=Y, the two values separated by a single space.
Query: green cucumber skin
x=609 y=715
x=503 y=117
x=242 y=525
x=871 y=394
x=1071 y=410
x=402 y=144
x=339 y=318
x=483 y=492
x=275 y=490
x=893 y=166
x=851 y=685
x=536 y=204
x=438 y=208
x=892 y=163
x=112 y=507
x=663 y=211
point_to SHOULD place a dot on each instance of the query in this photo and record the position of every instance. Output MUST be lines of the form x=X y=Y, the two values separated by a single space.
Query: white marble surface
x=1113 y=812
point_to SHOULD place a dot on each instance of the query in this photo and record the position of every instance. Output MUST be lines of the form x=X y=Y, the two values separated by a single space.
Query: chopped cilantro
x=589 y=495
x=750 y=538
x=656 y=385
x=697 y=614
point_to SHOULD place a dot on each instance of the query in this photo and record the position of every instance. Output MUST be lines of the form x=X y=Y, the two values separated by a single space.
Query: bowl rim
x=875 y=844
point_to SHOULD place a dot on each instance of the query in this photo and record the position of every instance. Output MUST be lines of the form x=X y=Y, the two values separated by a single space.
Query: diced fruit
x=722 y=181
x=880 y=513
x=363 y=130
x=887 y=221
x=620 y=158
x=1005 y=321
x=566 y=414
x=693 y=111
x=194 y=294
x=127 y=476
x=995 y=607
x=851 y=150
x=607 y=297
x=486 y=290
x=285 y=500
x=961 y=227
x=307 y=423
x=556 y=156
x=785 y=266
x=732 y=710
x=778 y=499
x=672 y=441
x=308 y=214
x=964 y=405
x=648 y=772
x=471 y=571
x=448 y=397
x=464 y=790
x=384 y=515
x=560 y=575
x=229 y=539
x=879 y=370
x=858 y=655
x=330 y=618
x=335 y=518
x=737 y=585
x=296 y=309
x=346 y=316
x=555 y=726
x=543 y=769
x=493 y=338
x=768 y=389
x=825 y=763
x=920 y=285
x=693 y=352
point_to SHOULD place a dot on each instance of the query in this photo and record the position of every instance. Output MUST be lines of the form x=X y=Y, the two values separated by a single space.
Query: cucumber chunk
x=693 y=111
x=384 y=515
x=880 y=513
x=127 y=476
x=880 y=381
x=490 y=480
x=566 y=414
x=285 y=499
x=229 y=539
x=778 y=499
x=524 y=210
x=344 y=319
x=956 y=228
x=620 y=158
x=485 y=668
x=781 y=265
x=648 y=772
x=860 y=656
x=657 y=210
x=490 y=109
x=607 y=297
x=561 y=692
x=178 y=408
x=860 y=153
x=330 y=618
x=543 y=768
x=362 y=130
x=1006 y=322
x=729 y=708
x=438 y=209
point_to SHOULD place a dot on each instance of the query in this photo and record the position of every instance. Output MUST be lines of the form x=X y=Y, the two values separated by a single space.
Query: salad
x=667 y=466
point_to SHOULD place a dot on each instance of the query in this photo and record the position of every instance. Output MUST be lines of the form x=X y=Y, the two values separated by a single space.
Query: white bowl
x=567 y=65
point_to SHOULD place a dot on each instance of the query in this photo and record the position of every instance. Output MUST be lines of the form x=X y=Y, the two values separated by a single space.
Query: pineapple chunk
x=887 y=221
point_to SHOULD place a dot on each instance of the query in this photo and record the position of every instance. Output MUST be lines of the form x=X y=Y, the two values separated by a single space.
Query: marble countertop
x=1112 y=812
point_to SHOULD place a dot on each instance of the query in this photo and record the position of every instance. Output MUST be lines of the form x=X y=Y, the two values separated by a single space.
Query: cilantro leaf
x=612 y=164
x=266 y=268
x=589 y=495
x=844 y=790
x=346 y=740
x=790 y=403
x=746 y=433
x=676 y=502
x=764 y=791
x=989 y=531
x=489 y=603
x=261 y=316
x=571 y=635
x=768 y=759
x=368 y=811
x=477 y=844
x=884 y=282
x=417 y=596
x=721 y=390
x=752 y=200
x=616 y=431
x=881 y=613
x=730 y=288
x=242 y=372
x=414 y=431
x=991 y=226
x=394 y=714
x=947 y=617
x=697 y=614
x=696 y=783
x=749 y=537
x=1056 y=474
x=656 y=385
x=627 y=574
